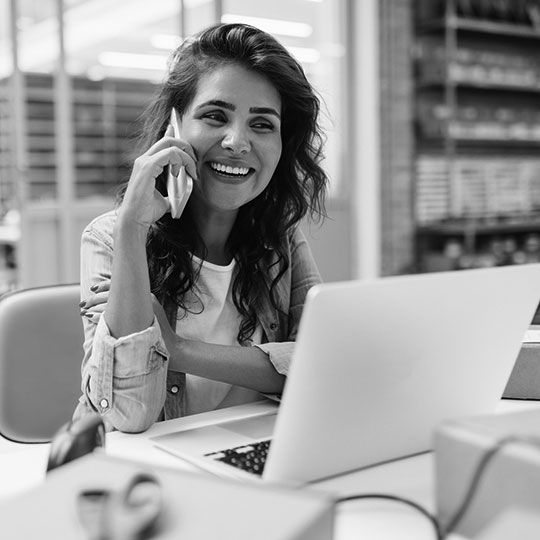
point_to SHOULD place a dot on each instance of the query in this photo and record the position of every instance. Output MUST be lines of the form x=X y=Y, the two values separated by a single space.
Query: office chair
x=41 y=347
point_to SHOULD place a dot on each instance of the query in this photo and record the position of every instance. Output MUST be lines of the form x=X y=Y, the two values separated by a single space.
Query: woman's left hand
x=93 y=307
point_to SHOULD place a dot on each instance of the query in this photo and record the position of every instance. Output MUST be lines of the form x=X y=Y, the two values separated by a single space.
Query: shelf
x=479 y=26
x=480 y=227
x=477 y=159
x=496 y=28
x=466 y=150
x=525 y=145
x=478 y=86
x=104 y=116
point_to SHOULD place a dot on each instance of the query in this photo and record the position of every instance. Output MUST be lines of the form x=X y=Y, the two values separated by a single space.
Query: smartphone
x=178 y=187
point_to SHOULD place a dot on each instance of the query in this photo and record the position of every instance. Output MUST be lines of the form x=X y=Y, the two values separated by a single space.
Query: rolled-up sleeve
x=125 y=379
x=281 y=329
x=279 y=354
x=122 y=379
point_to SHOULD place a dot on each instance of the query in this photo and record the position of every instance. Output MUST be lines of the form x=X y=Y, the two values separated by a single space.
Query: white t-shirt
x=217 y=323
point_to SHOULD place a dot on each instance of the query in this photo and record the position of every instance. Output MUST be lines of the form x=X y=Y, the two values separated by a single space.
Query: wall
x=47 y=256
x=330 y=242
x=397 y=138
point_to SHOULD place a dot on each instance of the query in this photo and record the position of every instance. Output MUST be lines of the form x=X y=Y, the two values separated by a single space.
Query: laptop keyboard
x=250 y=458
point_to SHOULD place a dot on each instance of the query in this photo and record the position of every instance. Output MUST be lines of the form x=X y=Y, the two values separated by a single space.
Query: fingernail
x=88 y=315
x=83 y=312
x=82 y=303
x=93 y=288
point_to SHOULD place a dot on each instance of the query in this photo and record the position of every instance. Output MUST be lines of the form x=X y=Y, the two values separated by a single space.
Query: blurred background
x=432 y=112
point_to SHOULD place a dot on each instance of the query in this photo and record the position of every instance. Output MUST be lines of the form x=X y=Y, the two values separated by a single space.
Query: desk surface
x=22 y=467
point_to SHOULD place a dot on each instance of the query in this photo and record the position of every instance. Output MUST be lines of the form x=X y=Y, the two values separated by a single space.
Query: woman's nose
x=237 y=140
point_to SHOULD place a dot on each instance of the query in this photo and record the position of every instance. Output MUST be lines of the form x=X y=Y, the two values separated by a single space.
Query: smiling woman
x=200 y=312
x=233 y=125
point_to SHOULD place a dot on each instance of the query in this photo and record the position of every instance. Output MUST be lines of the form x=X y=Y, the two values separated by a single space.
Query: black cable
x=479 y=474
x=402 y=500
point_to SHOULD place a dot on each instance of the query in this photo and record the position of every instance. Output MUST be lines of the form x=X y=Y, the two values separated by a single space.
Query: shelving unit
x=104 y=115
x=6 y=147
x=477 y=164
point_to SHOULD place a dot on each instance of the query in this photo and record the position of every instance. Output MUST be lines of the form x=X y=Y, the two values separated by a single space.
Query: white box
x=196 y=506
x=510 y=478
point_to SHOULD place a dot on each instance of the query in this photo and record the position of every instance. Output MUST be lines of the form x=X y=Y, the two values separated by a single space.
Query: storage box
x=510 y=478
x=196 y=506
x=524 y=382
x=513 y=523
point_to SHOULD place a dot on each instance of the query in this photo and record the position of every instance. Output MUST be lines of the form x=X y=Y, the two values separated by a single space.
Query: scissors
x=130 y=513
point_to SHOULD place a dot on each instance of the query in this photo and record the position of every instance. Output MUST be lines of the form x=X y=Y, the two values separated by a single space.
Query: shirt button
x=273 y=326
x=174 y=389
x=104 y=403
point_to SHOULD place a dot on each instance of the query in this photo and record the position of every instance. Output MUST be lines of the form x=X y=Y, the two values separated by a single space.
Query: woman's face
x=234 y=127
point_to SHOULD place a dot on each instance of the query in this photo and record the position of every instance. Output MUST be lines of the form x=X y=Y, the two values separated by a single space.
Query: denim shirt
x=127 y=380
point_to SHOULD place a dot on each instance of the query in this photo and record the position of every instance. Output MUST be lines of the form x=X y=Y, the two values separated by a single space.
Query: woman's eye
x=215 y=116
x=263 y=125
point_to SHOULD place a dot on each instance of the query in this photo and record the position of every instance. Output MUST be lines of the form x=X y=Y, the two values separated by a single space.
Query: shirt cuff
x=131 y=351
x=280 y=354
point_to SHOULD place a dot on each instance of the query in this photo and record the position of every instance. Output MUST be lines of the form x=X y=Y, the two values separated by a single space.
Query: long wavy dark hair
x=298 y=185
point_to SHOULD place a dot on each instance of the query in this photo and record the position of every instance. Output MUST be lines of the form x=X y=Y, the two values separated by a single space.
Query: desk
x=23 y=467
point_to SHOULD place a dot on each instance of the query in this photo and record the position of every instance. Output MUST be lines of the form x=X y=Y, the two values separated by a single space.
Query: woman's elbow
x=137 y=420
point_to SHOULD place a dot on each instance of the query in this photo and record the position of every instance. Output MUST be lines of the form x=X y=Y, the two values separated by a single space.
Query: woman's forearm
x=129 y=307
x=249 y=367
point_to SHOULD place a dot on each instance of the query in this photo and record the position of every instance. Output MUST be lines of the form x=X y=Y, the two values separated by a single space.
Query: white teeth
x=227 y=169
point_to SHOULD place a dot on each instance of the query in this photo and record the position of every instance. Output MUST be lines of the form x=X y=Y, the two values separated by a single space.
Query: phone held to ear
x=178 y=188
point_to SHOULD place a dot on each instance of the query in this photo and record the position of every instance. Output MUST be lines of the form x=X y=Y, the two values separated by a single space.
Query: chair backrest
x=41 y=347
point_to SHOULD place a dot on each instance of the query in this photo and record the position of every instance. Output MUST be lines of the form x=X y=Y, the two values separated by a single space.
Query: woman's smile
x=230 y=172
x=234 y=127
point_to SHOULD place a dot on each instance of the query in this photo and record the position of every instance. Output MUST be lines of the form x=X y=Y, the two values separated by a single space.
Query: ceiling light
x=305 y=55
x=131 y=60
x=272 y=26
x=99 y=72
x=166 y=41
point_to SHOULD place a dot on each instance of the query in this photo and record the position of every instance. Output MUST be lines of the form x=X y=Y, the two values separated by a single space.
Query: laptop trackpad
x=257 y=427
x=219 y=436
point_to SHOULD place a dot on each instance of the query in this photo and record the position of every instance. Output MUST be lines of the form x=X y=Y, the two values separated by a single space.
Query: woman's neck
x=214 y=229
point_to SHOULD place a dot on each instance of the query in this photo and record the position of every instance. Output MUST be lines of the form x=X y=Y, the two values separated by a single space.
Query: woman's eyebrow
x=231 y=107
x=264 y=110
x=217 y=103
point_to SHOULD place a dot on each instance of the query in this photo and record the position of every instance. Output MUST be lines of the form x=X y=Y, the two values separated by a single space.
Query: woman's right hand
x=143 y=204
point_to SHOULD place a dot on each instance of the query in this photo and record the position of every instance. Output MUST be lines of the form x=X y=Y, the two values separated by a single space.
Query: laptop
x=377 y=365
